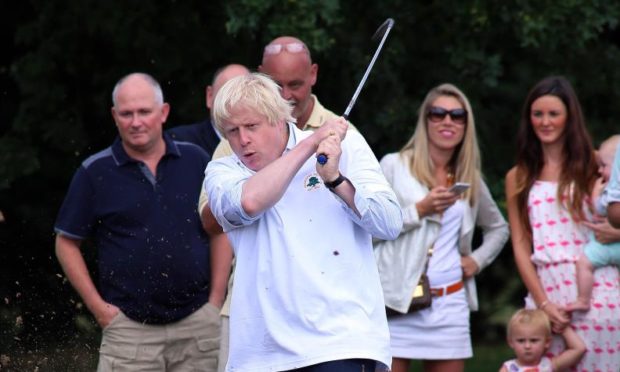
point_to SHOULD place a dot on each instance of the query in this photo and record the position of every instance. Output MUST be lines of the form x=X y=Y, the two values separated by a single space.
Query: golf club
x=382 y=32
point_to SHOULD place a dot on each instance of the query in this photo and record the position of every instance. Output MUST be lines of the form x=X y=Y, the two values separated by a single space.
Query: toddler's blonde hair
x=535 y=317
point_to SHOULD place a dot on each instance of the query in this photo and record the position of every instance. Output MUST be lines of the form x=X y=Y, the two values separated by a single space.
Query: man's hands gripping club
x=330 y=135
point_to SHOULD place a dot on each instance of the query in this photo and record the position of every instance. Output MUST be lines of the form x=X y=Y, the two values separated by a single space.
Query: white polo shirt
x=306 y=288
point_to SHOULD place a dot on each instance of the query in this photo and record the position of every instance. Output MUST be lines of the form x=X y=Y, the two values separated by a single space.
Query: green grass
x=77 y=358
x=487 y=358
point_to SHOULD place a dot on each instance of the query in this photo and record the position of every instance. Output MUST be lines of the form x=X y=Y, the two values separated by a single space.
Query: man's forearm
x=221 y=265
x=72 y=263
x=265 y=188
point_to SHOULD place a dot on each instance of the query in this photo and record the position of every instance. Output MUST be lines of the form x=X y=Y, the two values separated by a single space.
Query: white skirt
x=440 y=332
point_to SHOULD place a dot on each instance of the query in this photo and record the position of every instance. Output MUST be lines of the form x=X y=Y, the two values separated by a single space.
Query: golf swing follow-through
x=382 y=32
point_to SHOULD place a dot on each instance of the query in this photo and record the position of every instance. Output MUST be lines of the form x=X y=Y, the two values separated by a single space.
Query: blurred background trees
x=62 y=58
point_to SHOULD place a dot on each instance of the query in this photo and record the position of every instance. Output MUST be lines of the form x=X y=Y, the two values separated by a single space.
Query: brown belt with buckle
x=444 y=291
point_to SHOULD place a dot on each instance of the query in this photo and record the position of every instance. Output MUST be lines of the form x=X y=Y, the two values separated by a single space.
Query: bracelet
x=543 y=304
x=335 y=183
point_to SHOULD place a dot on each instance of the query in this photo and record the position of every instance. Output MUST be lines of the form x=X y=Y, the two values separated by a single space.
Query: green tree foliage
x=62 y=59
x=310 y=20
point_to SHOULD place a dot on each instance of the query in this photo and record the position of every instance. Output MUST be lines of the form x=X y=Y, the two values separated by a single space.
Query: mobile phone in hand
x=459 y=188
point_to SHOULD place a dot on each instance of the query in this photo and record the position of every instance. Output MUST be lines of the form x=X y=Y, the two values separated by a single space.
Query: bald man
x=287 y=60
x=203 y=133
x=136 y=201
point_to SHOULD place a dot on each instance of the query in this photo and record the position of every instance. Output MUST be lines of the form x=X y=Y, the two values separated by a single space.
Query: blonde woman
x=443 y=150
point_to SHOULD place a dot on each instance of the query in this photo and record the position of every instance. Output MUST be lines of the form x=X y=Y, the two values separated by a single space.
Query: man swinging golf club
x=307 y=294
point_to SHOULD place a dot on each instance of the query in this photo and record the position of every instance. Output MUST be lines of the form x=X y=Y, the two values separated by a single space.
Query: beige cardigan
x=402 y=260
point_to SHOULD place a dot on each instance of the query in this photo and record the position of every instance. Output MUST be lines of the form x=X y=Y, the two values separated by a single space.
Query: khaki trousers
x=191 y=344
x=224 y=344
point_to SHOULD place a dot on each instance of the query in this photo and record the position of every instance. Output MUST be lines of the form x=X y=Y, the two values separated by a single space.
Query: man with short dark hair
x=203 y=133
x=206 y=136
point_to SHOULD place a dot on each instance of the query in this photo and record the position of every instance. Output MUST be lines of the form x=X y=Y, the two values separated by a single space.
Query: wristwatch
x=332 y=185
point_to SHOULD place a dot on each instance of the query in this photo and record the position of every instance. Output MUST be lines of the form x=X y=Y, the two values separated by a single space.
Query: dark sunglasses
x=437 y=114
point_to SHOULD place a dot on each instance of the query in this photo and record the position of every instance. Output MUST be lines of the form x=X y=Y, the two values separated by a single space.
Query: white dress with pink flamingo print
x=557 y=242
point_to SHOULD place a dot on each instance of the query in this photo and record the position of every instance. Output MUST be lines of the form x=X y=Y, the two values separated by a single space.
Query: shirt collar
x=317 y=116
x=122 y=158
x=292 y=137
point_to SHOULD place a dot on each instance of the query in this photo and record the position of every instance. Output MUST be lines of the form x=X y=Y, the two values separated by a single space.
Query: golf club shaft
x=388 y=24
x=368 y=69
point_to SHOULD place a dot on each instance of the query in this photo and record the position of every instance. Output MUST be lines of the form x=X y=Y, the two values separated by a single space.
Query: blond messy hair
x=254 y=91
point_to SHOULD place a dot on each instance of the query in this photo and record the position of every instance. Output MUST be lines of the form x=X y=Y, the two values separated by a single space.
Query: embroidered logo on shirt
x=312 y=182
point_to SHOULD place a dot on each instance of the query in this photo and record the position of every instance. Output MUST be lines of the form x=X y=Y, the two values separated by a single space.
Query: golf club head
x=383 y=29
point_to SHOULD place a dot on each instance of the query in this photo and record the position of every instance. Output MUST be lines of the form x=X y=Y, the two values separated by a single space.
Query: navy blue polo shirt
x=202 y=134
x=153 y=254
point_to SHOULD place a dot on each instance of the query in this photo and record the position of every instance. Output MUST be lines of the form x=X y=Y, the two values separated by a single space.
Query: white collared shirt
x=306 y=285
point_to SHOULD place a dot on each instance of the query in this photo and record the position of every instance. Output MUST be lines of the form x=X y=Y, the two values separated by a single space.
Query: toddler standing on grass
x=595 y=253
x=529 y=335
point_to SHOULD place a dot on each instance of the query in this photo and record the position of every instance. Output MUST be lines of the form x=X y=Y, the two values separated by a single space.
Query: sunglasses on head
x=437 y=114
x=294 y=47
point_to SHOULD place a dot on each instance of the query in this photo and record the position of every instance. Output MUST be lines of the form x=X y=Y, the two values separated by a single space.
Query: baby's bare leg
x=585 y=281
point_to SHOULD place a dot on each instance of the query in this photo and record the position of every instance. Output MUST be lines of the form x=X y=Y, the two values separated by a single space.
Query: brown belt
x=444 y=291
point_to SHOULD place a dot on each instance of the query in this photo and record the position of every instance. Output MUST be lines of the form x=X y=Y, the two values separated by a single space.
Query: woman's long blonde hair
x=465 y=163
